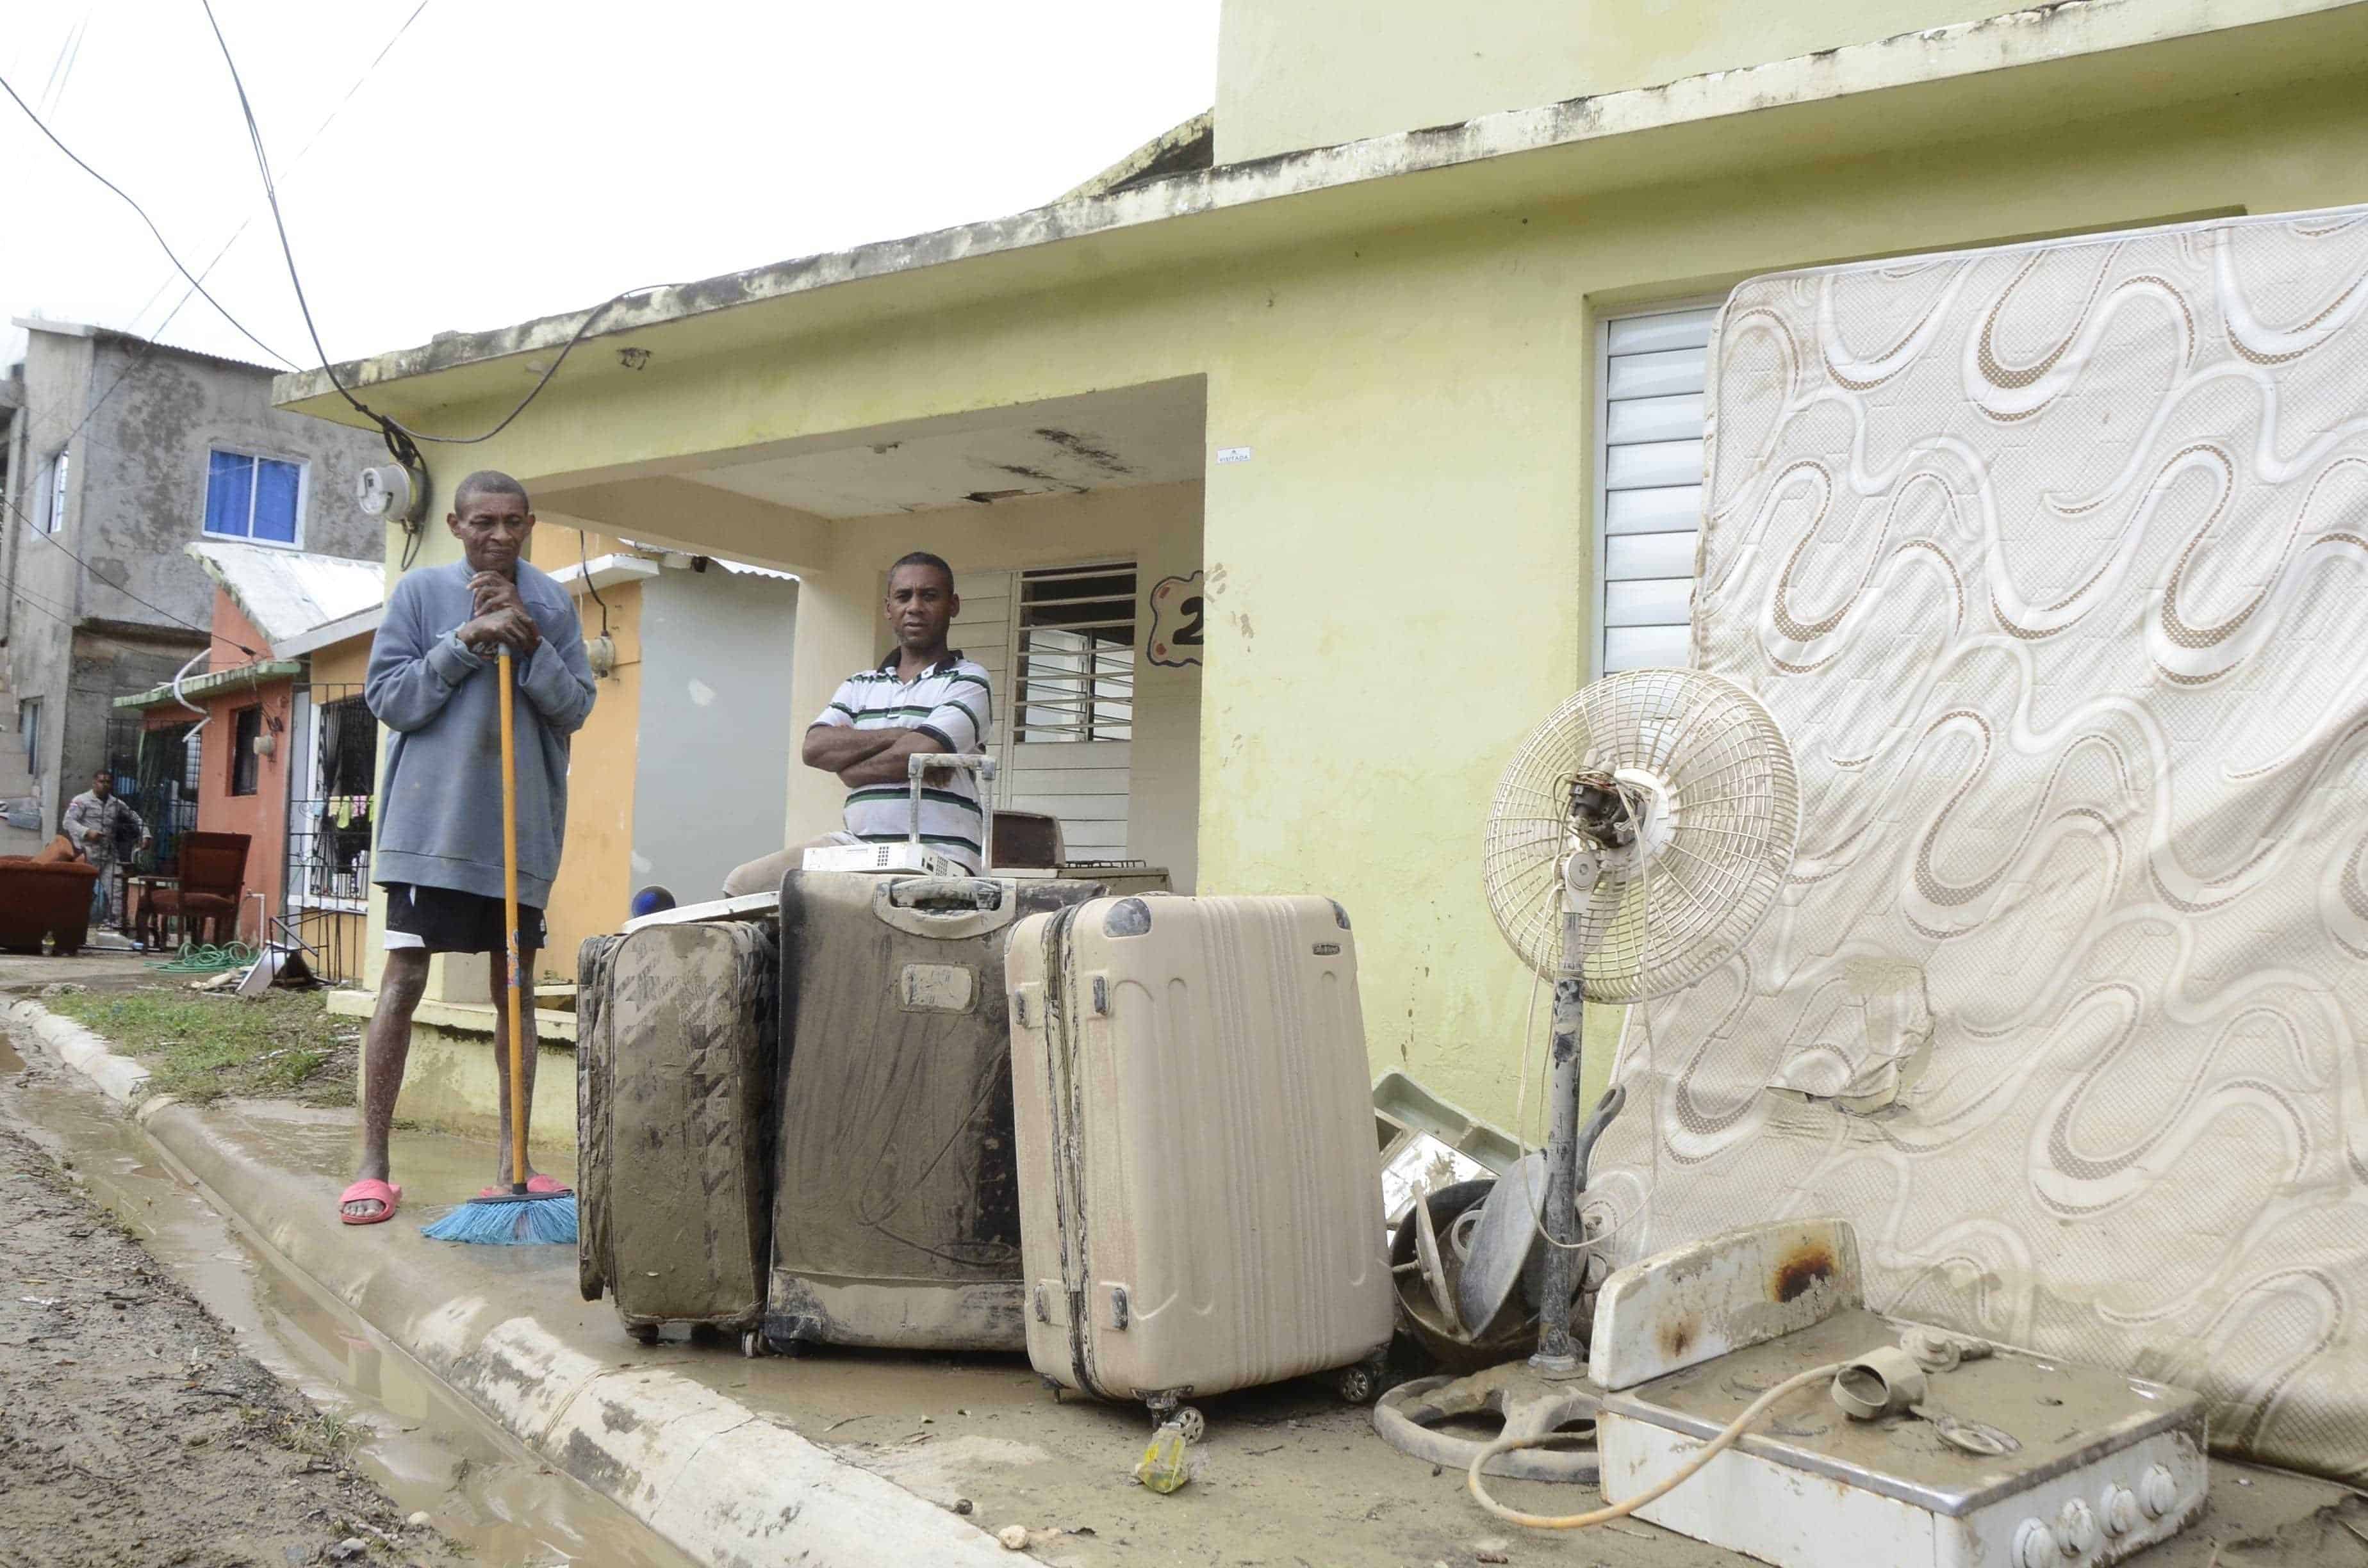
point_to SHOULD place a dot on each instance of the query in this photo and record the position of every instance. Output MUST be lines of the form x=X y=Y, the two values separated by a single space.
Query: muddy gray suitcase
x=675 y=1069
x=896 y=1206
x=1199 y=1189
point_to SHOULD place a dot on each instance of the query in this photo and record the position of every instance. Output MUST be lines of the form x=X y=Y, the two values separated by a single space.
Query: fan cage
x=1688 y=907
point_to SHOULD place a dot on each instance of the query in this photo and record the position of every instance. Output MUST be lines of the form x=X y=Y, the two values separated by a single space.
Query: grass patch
x=318 y=1436
x=282 y=1045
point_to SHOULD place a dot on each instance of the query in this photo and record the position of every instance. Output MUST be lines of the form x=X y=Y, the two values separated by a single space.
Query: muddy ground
x=133 y=1431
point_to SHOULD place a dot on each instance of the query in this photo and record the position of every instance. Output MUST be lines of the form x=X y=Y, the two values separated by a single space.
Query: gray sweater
x=439 y=820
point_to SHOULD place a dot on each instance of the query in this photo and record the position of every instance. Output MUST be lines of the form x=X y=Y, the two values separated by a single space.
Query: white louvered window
x=1649 y=469
x=1059 y=646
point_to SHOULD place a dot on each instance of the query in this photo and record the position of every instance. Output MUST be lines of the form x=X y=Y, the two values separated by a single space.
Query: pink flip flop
x=369 y=1189
x=536 y=1185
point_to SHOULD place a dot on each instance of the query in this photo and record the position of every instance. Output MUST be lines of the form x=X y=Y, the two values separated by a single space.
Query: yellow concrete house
x=1343 y=432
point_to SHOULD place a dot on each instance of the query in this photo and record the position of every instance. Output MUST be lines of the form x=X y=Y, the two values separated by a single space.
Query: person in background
x=924 y=696
x=433 y=679
x=103 y=826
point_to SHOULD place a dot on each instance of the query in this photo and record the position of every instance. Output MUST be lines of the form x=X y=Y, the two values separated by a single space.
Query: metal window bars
x=1074 y=646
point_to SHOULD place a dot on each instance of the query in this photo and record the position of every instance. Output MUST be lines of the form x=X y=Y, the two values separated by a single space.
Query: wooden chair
x=212 y=878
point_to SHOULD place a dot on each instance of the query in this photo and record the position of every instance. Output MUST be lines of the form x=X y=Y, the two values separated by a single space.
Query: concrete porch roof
x=2053 y=65
x=1128 y=436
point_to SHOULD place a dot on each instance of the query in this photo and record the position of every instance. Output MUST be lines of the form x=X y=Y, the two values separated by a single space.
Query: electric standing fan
x=1638 y=837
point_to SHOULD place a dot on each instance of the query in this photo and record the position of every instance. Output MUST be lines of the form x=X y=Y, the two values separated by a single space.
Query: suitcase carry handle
x=944 y=909
x=949 y=894
x=922 y=763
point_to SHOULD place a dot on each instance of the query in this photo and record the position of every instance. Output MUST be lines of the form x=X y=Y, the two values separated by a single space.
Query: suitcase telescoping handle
x=922 y=763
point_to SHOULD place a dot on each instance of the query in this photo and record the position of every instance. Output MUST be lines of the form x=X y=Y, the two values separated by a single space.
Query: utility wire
x=120 y=588
x=197 y=289
x=53 y=615
x=47 y=606
x=290 y=167
x=142 y=211
x=53 y=91
x=154 y=337
x=395 y=430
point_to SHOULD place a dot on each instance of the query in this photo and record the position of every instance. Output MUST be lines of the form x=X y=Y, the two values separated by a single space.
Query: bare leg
x=399 y=991
x=524 y=1100
x=764 y=874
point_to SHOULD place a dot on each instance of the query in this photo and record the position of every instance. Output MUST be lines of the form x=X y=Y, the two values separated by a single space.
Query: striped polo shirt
x=950 y=700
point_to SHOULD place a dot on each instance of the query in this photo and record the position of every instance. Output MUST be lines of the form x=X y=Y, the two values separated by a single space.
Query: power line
x=142 y=211
x=155 y=336
x=30 y=603
x=53 y=91
x=290 y=167
x=392 y=427
x=120 y=588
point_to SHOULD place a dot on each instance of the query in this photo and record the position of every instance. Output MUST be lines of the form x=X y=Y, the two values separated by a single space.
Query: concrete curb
x=730 y=1487
x=122 y=1079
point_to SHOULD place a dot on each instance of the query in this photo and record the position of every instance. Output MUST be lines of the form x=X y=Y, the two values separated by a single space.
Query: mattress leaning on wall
x=2053 y=560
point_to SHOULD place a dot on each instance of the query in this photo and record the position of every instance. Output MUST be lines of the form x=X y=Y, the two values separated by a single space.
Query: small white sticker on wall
x=1233 y=454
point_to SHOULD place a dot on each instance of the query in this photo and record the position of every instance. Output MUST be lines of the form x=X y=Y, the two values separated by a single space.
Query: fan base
x=1530 y=1401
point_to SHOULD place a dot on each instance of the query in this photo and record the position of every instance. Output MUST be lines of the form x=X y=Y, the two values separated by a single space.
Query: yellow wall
x=341 y=664
x=1294 y=73
x=594 y=883
x=343 y=940
x=1399 y=574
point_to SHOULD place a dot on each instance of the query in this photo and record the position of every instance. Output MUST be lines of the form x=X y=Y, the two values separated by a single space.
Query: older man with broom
x=479 y=669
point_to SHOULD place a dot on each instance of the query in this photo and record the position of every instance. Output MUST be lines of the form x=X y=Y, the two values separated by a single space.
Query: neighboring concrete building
x=123 y=452
x=1347 y=455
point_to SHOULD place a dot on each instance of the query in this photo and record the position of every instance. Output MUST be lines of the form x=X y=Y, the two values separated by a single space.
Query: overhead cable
x=394 y=429
x=142 y=211
x=127 y=593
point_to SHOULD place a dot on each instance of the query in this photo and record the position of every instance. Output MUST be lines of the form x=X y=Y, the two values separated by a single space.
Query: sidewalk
x=862 y=1458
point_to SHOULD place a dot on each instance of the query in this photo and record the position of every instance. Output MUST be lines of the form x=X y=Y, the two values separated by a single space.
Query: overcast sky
x=510 y=158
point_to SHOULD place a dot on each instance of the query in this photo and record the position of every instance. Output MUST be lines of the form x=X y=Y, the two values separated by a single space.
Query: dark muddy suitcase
x=896 y=1206
x=676 y=1029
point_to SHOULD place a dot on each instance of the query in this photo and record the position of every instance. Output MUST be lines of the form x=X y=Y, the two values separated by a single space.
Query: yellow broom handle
x=510 y=927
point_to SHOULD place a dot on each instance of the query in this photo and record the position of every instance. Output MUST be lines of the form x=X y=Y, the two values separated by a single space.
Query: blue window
x=251 y=497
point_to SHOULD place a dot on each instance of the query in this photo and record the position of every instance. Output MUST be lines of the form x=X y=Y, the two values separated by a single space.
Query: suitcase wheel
x=1360 y=1384
x=1190 y=1422
x=752 y=1343
x=642 y=1333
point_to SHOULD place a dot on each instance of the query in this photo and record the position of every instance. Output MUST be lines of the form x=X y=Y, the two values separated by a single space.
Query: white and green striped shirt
x=950 y=700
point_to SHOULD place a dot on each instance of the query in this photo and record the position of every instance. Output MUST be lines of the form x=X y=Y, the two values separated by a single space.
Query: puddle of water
x=424 y=1446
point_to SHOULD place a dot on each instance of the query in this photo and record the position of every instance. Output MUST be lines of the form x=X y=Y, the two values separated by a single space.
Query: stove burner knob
x=2120 y=1510
x=2158 y=1492
x=2075 y=1529
x=2035 y=1546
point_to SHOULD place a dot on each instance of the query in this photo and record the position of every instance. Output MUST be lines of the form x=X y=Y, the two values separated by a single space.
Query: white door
x=1649 y=492
x=1059 y=646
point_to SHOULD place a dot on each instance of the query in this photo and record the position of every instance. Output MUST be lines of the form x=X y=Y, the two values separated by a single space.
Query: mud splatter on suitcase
x=896 y=1214
x=675 y=1071
x=1200 y=1186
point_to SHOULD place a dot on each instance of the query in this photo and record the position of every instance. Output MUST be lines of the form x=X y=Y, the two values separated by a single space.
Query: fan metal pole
x=1556 y=1352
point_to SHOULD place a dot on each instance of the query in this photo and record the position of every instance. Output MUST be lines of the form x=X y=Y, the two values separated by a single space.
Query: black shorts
x=442 y=920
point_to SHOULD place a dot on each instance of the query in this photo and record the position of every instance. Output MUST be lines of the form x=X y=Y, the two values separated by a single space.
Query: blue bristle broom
x=516 y=1218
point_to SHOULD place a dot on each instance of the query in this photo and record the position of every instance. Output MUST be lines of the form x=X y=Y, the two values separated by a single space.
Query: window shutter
x=1649 y=495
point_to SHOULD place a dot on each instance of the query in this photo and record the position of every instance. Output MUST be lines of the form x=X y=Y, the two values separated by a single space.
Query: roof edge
x=2044 y=33
x=1177 y=149
x=253 y=674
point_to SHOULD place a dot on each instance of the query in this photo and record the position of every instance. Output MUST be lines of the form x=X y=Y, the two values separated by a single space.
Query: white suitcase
x=1200 y=1186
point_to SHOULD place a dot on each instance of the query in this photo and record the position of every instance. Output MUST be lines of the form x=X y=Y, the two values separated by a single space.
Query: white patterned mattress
x=2053 y=561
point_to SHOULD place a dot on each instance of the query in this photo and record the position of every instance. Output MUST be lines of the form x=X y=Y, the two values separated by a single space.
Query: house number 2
x=1176 y=615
